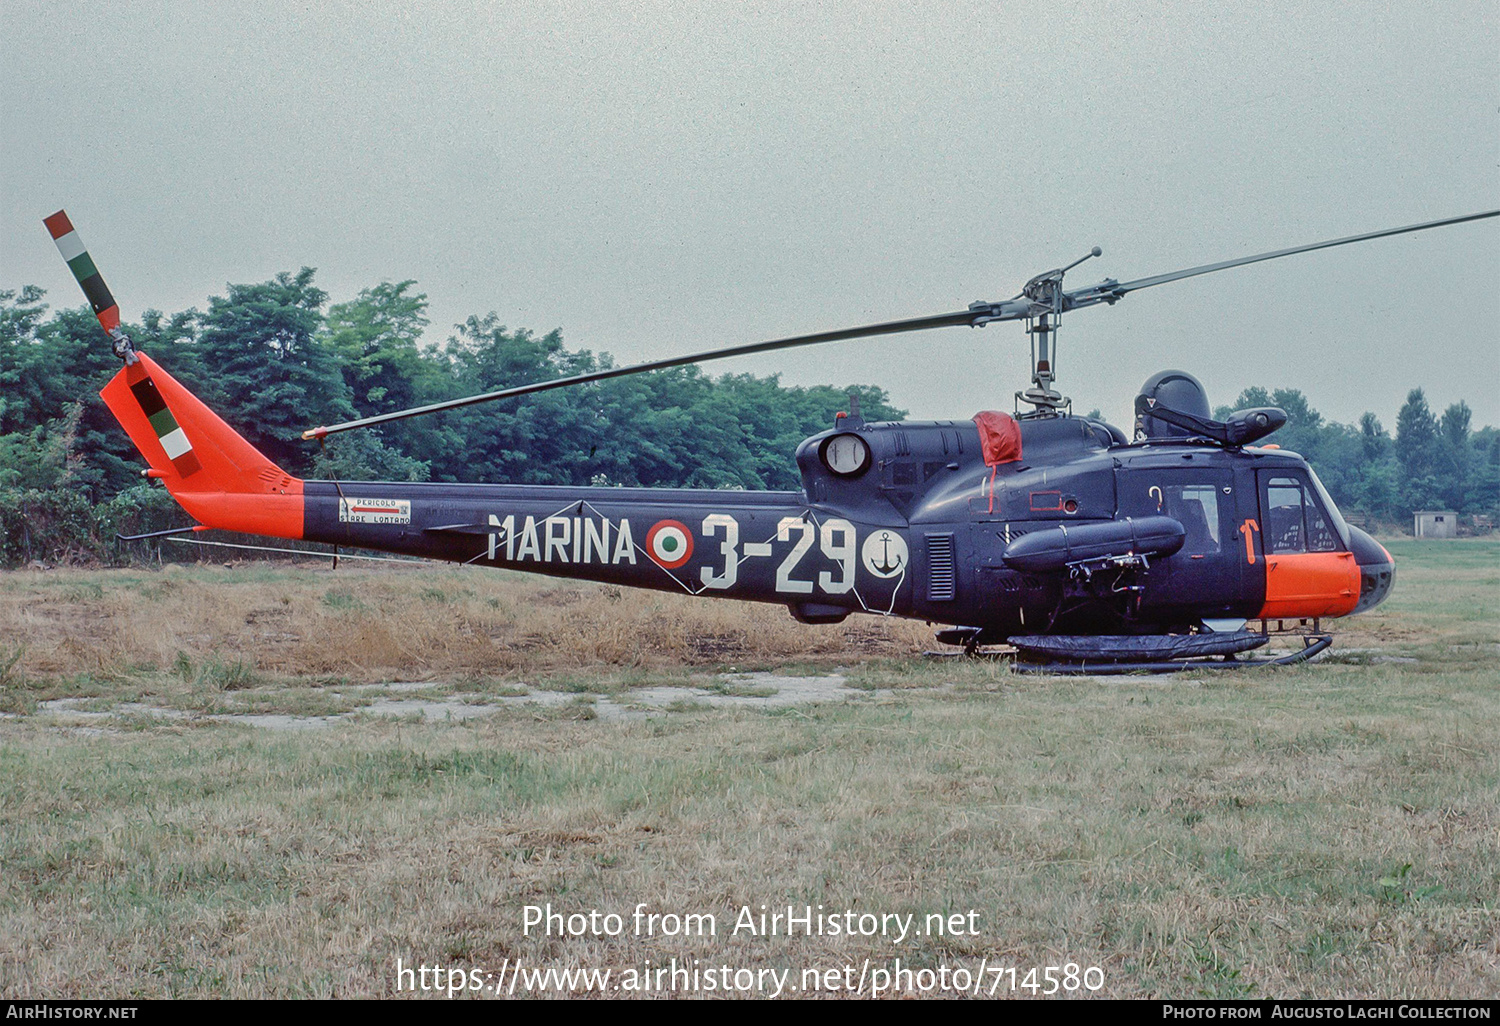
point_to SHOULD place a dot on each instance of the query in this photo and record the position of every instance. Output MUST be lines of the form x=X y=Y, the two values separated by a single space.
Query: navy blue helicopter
x=1087 y=550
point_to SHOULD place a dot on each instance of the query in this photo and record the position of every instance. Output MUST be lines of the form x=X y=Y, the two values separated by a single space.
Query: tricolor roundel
x=669 y=543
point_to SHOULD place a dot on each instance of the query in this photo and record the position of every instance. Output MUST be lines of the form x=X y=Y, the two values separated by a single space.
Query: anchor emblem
x=884 y=554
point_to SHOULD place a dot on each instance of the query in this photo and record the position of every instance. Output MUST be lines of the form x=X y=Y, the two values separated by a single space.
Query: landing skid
x=975 y=652
x=1312 y=644
x=1105 y=656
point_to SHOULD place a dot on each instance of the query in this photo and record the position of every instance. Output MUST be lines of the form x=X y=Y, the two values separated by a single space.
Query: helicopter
x=1085 y=550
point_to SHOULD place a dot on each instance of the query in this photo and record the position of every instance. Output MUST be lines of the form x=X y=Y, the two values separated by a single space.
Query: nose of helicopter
x=1377 y=570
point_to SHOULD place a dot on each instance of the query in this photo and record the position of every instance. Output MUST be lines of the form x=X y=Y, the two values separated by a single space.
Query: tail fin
x=215 y=475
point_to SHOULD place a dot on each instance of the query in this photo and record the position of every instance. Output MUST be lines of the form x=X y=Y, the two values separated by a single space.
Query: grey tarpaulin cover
x=1137 y=648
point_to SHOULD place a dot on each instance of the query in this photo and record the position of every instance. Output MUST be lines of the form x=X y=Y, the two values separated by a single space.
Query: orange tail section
x=213 y=473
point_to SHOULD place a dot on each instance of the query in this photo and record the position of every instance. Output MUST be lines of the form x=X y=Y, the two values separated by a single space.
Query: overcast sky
x=655 y=178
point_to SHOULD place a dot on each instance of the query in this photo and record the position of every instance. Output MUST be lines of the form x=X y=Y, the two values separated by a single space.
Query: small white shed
x=1435 y=523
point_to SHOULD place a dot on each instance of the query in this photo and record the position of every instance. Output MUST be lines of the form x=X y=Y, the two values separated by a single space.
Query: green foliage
x=270 y=373
x=52 y=526
x=20 y=315
x=1416 y=435
x=1398 y=888
x=677 y=427
x=225 y=675
x=1374 y=442
x=9 y=659
x=46 y=368
x=140 y=509
x=362 y=456
x=376 y=340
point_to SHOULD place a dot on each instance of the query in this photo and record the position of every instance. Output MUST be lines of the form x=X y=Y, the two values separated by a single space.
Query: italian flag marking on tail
x=173 y=439
x=669 y=543
x=82 y=265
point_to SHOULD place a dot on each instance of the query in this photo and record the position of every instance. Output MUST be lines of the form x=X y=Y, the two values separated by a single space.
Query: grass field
x=1316 y=831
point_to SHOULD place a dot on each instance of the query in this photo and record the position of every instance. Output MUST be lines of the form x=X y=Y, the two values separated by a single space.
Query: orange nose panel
x=1310 y=584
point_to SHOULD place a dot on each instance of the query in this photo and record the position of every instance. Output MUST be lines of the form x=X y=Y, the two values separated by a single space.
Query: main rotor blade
x=1161 y=279
x=889 y=328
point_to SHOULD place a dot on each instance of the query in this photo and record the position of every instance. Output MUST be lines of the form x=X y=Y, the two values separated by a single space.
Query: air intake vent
x=941 y=580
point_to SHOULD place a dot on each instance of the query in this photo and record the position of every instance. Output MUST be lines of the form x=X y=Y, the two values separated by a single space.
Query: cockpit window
x=1295 y=520
x=1190 y=497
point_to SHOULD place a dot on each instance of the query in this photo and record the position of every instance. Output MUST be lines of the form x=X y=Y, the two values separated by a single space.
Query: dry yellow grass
x=377 y=624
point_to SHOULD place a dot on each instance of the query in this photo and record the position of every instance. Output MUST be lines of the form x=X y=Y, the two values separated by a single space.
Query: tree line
x=275 y=357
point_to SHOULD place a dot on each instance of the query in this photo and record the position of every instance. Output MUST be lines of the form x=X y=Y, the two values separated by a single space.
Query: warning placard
x=374 y=511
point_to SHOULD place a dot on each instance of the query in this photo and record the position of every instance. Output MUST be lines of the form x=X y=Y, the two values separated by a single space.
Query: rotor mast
x=1045 y=317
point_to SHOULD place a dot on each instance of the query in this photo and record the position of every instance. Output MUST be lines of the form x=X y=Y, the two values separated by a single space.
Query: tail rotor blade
x=82 y=265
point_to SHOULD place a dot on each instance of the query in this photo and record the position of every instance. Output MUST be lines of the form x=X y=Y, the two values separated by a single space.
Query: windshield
x=1333 y=510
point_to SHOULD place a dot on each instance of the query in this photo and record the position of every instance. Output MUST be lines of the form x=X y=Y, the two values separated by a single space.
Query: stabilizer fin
x=217 y=476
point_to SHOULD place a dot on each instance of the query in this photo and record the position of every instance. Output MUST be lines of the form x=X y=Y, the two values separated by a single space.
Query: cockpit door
x=1205 y=578
x=1309 y=572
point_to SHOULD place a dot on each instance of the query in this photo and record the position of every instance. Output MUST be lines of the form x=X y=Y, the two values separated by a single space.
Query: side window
x=1295 y=521
x=1190 y=497
x=1284 y=521
x=1197 y=506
